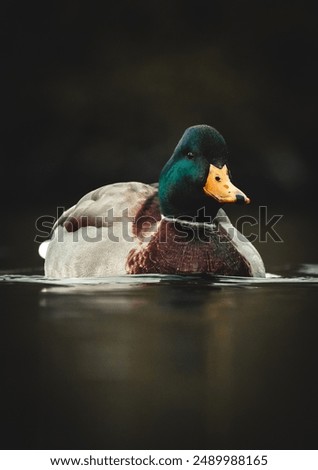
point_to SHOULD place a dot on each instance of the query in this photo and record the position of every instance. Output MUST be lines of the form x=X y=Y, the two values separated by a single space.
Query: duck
x=177 y=226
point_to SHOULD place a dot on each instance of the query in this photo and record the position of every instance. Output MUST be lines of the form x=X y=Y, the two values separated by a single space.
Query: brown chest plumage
x=184 y=249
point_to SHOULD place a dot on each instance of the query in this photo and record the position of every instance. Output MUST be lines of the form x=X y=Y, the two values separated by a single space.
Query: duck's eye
x=217 y=178
x=190 y=155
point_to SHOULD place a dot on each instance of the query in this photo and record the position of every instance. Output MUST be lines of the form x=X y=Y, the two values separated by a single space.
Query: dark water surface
x=160 y=362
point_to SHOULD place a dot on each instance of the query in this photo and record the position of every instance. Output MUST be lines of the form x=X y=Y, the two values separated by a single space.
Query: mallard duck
x=174 y=227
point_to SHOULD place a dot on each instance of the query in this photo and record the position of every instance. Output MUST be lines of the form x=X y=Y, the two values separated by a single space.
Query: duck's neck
x=186 y=203
x=189 y=207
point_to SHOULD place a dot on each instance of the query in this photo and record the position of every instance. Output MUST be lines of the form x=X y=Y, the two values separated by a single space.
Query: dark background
x=99 y=94
x=94 y=95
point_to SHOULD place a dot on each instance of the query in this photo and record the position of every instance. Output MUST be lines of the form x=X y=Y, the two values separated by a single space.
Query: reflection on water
x=161 y=362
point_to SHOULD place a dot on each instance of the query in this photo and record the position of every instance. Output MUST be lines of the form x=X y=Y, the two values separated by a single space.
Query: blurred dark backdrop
x=94 y=95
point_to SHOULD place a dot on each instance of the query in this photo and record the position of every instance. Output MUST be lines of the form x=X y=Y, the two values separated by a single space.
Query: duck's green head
x=197 y=176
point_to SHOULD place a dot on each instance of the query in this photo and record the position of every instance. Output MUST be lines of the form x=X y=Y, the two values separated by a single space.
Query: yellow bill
x=218 y=185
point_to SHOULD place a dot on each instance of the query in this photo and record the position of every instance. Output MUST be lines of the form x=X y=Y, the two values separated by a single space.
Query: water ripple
x=309 y=275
